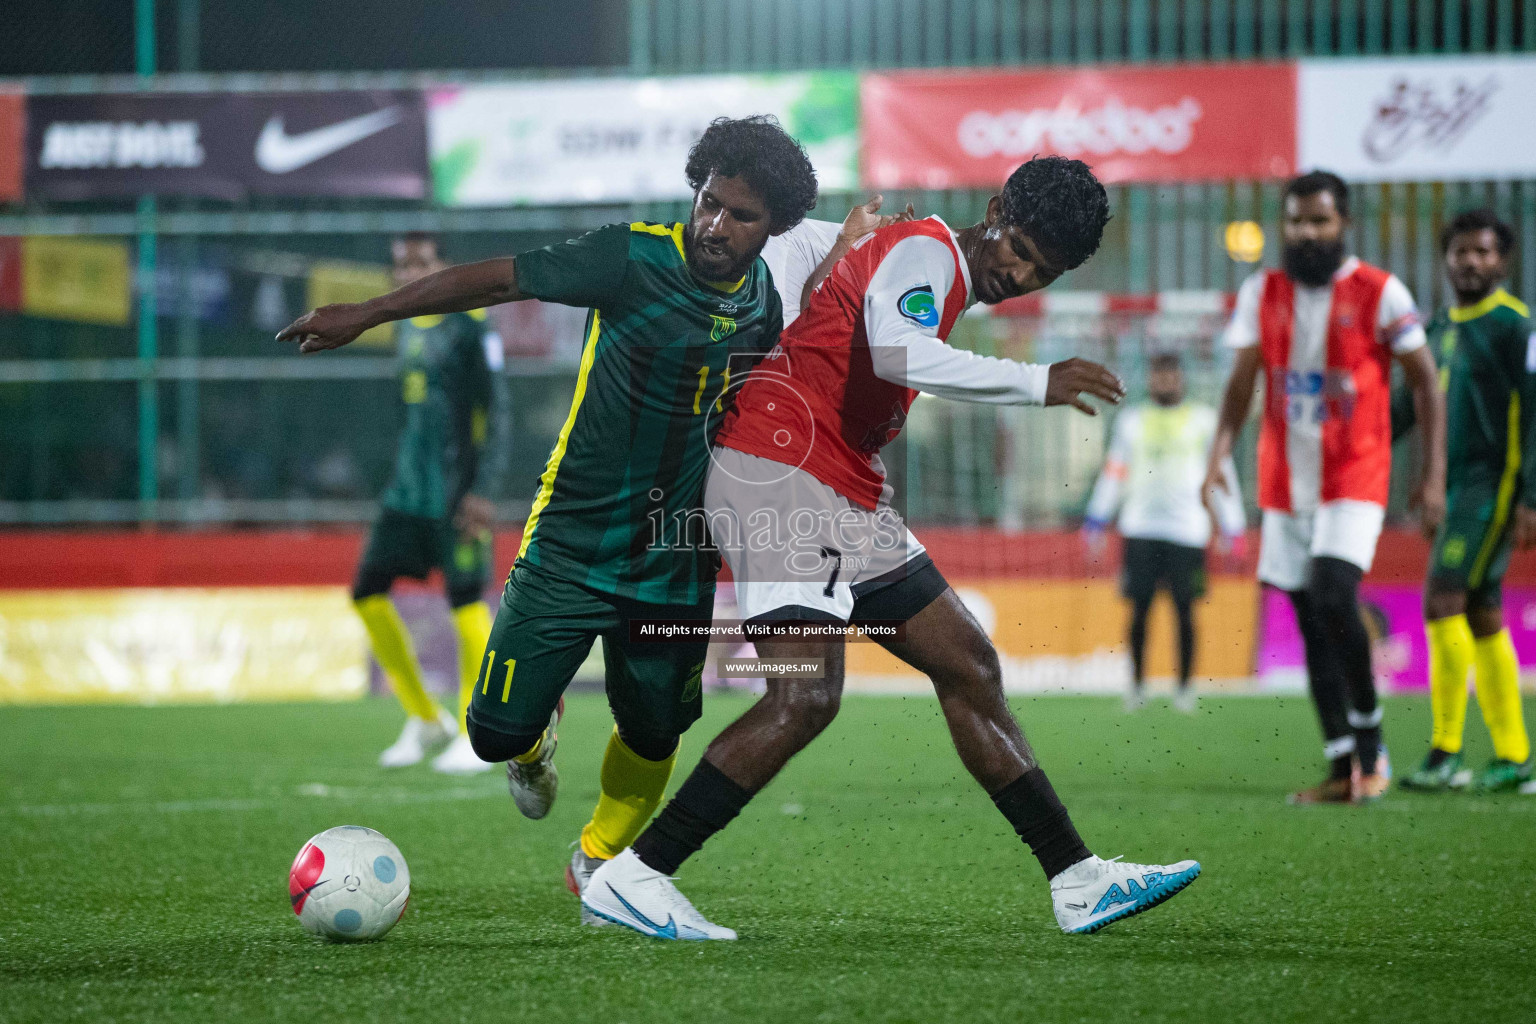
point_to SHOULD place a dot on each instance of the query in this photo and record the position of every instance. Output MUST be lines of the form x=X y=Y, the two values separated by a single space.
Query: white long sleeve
x=903 y=308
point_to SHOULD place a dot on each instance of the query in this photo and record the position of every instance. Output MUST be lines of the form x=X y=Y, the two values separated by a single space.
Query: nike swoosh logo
x=277 y=152
x=1078 y=906
x=666 y=931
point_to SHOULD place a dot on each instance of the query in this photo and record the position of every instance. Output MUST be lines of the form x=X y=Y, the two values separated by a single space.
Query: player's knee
x=807 y=710
x=650 y=744
x=370 y=583
x=494 y=745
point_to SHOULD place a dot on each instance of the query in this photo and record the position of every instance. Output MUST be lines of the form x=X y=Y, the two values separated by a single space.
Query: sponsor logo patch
x=917 y=305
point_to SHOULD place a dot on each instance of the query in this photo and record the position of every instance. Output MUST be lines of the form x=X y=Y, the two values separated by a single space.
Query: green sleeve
x=585 y=271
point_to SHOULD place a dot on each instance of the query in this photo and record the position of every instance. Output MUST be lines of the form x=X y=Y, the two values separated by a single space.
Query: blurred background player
x=1323 y=331
x=437 y=511
x=1487 y=354
x=1152 y=476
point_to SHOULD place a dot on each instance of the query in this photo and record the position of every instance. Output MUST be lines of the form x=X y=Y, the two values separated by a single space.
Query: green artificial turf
x=144 y=856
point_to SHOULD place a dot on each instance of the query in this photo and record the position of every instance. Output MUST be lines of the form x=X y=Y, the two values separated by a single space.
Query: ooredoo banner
x=1424 y=119
x=1186 y=123
x=617 y=140
x=227 y=146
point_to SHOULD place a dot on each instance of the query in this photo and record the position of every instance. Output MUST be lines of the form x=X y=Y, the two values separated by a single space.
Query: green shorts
x=1472 y=549
x=543 y=632
x=402 y=545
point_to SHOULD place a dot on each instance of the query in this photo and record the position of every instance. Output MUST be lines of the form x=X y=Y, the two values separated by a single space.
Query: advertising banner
x=227 y=146
x=180 y=644
x=956 y=129
x=618 y=140
x=13 y=119
x=88 y=280
x=10 y=275
x=1427 y=119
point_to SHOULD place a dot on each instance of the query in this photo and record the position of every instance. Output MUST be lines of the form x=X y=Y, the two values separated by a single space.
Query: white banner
x=618 y=140
x=1418 y=119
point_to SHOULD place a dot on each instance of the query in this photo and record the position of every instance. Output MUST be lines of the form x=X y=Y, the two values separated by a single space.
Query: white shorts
x=801 y=552
x=1343 y=529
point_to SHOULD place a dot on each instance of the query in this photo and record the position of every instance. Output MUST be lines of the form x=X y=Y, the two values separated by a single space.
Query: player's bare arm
x=1235 y=403
x=454 y=290
x=864 y=219
x=1429 y=409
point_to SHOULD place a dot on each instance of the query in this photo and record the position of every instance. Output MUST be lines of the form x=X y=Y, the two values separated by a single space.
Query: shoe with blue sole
x=1095 y=893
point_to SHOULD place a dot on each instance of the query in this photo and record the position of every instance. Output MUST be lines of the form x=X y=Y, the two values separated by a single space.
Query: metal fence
x=176 y=419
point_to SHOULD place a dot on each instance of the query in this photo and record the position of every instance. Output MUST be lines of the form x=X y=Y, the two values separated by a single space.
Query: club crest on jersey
x=723 y=328
x=917 y=305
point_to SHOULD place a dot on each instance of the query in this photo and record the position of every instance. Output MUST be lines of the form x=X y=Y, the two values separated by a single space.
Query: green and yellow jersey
x=1488 y=373
x=453 y=439
x=630 y=462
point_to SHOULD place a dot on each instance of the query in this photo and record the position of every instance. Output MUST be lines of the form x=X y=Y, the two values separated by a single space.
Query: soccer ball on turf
x=349 y=884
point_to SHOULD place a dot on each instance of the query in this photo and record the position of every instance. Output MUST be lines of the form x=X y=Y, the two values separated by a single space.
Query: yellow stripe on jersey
x=1506 y=495
x=675 y=232
x=1499 y=297
x=547 y=481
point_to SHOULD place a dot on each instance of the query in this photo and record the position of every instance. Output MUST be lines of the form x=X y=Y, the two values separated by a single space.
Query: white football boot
x=577 y=873
x=1096 y=892
x=534 y=785
x=625 y=891
x=1184 y=700
x=459 y=758
x=415 y=738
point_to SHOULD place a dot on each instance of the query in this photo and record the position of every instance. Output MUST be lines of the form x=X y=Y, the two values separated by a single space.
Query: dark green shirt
x=455 y=416
x=1488 y=373
x=613 y=507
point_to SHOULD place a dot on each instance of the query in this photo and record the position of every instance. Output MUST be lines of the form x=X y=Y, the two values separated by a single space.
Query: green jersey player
x=676 y=309
x=1487 y=356
x=437 y=511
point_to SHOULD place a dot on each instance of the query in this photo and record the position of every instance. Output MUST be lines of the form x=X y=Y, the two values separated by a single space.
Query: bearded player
x=1487 y=353
x=1323 y=331
x=675 y=309
x=799 y=504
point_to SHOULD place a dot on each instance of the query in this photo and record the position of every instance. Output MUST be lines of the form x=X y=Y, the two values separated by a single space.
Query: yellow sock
x=632 y=790
x=396 y=654
x=1450 y=656
x=1497 y=677
x=473 y=624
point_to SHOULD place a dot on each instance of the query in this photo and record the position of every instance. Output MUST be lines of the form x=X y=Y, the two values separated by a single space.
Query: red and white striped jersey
x=1326 y=353
x=837 y=387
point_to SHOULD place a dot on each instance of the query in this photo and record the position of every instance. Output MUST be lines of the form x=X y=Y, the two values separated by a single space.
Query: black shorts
x=402 y=545
x=1152 y=564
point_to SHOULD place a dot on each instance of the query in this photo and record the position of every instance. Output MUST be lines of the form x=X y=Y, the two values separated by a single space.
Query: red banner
x=10 y=275
x=13 y=130
x=1177 y=124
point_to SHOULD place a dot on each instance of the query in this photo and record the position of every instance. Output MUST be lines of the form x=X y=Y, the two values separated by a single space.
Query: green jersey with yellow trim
x=617 y=508
x=1487 y=358
x=452 y=442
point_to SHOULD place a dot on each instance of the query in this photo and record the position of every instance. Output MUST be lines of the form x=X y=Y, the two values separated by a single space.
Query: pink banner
x=1192 y=122
x=1399 y=651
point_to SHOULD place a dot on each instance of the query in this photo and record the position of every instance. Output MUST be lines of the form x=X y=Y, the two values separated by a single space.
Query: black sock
x=1367 y=747
x=703 y=805
x=1437 y=757
x=1036 y=814
x=1341 y=767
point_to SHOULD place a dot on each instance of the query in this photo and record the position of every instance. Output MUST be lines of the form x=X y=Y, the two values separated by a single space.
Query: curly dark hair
x=1479 y=220
x=1313 y=182
x=1060 y=205
x=758 y=149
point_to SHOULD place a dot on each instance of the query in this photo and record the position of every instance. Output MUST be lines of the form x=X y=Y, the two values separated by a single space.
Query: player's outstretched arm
x=454 y=290
x=1429 y=411
x=1071 y=379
